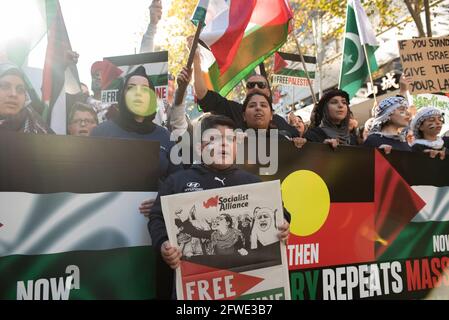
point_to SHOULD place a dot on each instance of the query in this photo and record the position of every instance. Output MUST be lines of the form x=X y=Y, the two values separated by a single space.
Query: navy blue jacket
x=376 y=140
x=112 y=130
x=197 y=178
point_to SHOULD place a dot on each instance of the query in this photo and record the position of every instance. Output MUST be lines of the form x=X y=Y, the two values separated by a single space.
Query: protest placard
x=426 y=61
x=229 y=242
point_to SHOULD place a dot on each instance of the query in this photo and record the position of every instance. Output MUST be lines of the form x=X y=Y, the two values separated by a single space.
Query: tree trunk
x=428 y=21
x=415 y=12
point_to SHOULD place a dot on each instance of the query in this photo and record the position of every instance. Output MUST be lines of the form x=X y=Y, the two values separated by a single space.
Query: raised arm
x=147 y=44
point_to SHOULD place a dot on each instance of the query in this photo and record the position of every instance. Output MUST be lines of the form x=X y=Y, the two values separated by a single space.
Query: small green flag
x=354 y=69
x=200 y=12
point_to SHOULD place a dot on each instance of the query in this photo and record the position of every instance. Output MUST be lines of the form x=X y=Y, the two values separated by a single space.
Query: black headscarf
x=322 y=120
x=126 y=119
x=26 y=120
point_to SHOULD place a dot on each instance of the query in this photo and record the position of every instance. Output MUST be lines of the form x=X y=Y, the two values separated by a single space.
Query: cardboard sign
x=426 y=60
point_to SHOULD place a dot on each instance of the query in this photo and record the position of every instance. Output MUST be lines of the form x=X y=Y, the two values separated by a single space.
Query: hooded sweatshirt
x=197 y=178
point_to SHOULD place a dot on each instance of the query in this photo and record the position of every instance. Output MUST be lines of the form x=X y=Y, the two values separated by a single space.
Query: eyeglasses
x=260 y=84
x=85 y=121
x=6 y=86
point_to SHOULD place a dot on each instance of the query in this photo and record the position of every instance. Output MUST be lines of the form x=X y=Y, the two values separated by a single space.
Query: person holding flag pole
x=198 y=18
x=240 y=39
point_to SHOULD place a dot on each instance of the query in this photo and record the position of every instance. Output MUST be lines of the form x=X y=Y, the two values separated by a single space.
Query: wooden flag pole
x=370 y=75
x=262 y=69
x=305 y=68
x=179 y=95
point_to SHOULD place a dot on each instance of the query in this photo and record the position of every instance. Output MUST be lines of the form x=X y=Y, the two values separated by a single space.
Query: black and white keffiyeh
x=422 y=115
x=385 y=109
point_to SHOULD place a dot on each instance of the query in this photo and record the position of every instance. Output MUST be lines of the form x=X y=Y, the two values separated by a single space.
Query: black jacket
x=317 y=134
x=213 y=102
x=376 y=140
x=197 y=178
x=421 y=147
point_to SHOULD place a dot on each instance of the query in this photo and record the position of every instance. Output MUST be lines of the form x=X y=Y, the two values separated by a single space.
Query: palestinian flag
x=114 y=70
x=289 y=70
x=226 y=22
x=427 y=234
x=60 y=74
x=70 y=228
x=265 y=33
x=422 y=245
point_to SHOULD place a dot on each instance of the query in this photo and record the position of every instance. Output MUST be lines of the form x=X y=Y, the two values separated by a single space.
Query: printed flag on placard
x=289 y=70
x=358 y=33
x=114 y=69
x=224 y=63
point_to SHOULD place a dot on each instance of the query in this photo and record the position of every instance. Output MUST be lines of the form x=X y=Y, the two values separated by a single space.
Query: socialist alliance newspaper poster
x=229 y=242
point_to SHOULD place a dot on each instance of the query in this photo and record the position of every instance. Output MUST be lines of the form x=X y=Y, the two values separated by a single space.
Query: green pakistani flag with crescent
x=358 y=33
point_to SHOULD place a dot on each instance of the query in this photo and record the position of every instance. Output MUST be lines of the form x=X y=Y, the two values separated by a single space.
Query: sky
x=102 y=28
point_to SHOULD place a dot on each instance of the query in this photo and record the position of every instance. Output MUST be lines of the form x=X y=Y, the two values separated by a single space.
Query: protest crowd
x=138 y=113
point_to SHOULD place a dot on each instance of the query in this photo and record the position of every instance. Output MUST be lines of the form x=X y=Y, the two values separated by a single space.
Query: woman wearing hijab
x=331 y=120
x=15 y=112
x=137 y=106
x=426 y=127
x=390 y=116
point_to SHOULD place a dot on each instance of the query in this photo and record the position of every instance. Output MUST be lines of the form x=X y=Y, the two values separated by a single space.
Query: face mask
x=141 y=100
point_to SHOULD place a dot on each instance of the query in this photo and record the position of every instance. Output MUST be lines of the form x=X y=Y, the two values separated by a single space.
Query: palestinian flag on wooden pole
x=359 y=46
x=225 y=24
x=198 y=19
x=60 y=73
x=265 y=32
x=289 y=70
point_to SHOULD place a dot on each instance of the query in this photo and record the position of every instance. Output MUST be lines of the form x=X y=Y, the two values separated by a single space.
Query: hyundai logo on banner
x=193 y=184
